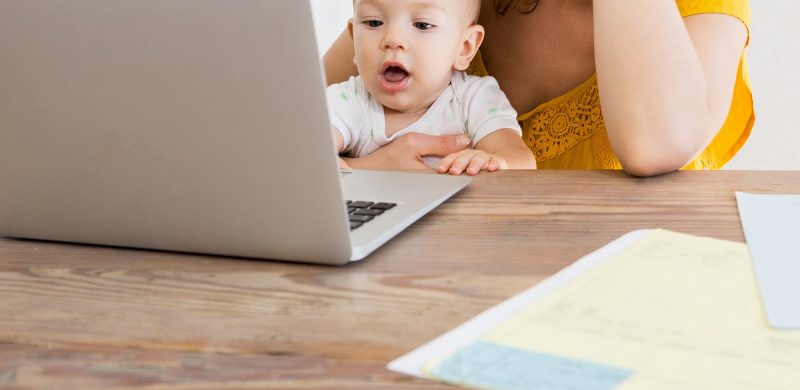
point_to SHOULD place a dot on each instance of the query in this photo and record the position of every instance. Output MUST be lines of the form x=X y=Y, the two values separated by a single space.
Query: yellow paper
x=676 y=311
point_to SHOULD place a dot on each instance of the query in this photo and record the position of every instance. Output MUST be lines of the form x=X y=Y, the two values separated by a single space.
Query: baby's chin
x=406 y=101
x=403 y=108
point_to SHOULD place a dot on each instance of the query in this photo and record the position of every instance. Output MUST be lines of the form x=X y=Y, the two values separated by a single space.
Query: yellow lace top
x=568 y=132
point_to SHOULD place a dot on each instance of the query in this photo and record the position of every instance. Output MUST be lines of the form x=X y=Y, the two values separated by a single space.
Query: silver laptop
x=184 y=125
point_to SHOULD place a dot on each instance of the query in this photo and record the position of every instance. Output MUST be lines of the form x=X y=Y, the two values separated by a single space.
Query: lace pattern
x=559 y=125
x=603 y=154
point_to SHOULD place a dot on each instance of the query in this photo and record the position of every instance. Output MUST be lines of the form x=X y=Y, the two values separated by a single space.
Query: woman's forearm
x=338 y=60
x=406 y=152
x=661 y=103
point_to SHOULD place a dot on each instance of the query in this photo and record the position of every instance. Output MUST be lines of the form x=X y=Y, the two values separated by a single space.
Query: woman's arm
x=665 y=82
x=407 y=151
x=338 y=59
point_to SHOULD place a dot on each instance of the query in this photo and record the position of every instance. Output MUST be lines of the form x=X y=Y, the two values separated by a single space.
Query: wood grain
x=74 y=316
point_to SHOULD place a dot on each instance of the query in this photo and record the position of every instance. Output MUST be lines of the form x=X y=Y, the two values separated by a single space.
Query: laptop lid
x=189 y=125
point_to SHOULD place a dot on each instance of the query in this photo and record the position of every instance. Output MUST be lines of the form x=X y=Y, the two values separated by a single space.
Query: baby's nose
x=394 y=39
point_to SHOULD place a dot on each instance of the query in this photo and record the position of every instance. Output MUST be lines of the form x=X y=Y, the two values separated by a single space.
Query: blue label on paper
x=491 y=366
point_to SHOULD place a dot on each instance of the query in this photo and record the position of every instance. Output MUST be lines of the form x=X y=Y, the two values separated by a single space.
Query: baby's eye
x=373 y=23
x=423 y=26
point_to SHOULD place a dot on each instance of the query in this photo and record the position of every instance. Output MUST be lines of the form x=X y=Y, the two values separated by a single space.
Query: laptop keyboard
x=362 y=211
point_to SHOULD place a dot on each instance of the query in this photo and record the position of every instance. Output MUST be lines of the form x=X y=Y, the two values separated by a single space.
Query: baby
x=410 y=57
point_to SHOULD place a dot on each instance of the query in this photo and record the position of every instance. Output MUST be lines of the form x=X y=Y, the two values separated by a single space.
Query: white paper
x=771 y=226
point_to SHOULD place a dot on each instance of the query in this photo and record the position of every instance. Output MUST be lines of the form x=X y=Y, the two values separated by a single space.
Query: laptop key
x=360 y=218
x=372 y=212
x=361 y=204
x=362 y=211
x=383 y=206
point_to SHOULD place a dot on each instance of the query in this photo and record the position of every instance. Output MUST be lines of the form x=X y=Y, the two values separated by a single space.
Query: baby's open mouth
x=394 y=78
x=395 y=74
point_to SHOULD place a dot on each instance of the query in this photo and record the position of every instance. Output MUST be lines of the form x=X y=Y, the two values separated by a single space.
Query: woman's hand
x=407 y=151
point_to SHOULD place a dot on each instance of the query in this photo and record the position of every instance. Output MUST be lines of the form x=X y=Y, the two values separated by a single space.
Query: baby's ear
x=350 y=27
x=470 y=42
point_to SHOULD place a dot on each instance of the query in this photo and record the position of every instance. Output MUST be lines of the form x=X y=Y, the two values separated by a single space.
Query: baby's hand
x=470 y=161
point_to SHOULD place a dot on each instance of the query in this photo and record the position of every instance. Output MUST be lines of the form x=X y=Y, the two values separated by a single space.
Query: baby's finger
x=497 y=163
x=478 y=162
x=446 y=162
x=460 y=164
x=493 y=164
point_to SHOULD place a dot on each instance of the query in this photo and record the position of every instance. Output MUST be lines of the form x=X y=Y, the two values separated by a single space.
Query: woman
x=671 y=76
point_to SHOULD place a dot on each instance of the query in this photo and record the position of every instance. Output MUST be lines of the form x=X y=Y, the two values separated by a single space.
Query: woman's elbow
x=650 y=147
x=653 y=157
x=651 y=165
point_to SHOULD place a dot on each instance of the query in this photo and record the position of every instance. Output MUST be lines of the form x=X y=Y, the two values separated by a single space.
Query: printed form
x=667 y=311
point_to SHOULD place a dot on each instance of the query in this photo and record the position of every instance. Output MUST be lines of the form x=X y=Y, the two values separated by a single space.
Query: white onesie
x=470 y=105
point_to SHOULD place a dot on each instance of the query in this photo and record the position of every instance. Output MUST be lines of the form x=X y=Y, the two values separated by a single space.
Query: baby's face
x=406 y=49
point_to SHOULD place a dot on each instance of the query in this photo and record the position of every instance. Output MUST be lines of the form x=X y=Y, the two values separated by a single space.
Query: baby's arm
x=492 y=122
x=502 y=149
x=346 y=106
x=339 y=147
x=507 y=145
x=339 y=140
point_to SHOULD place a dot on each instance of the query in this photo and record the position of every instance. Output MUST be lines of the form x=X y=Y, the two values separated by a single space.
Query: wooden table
x=82 y=316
